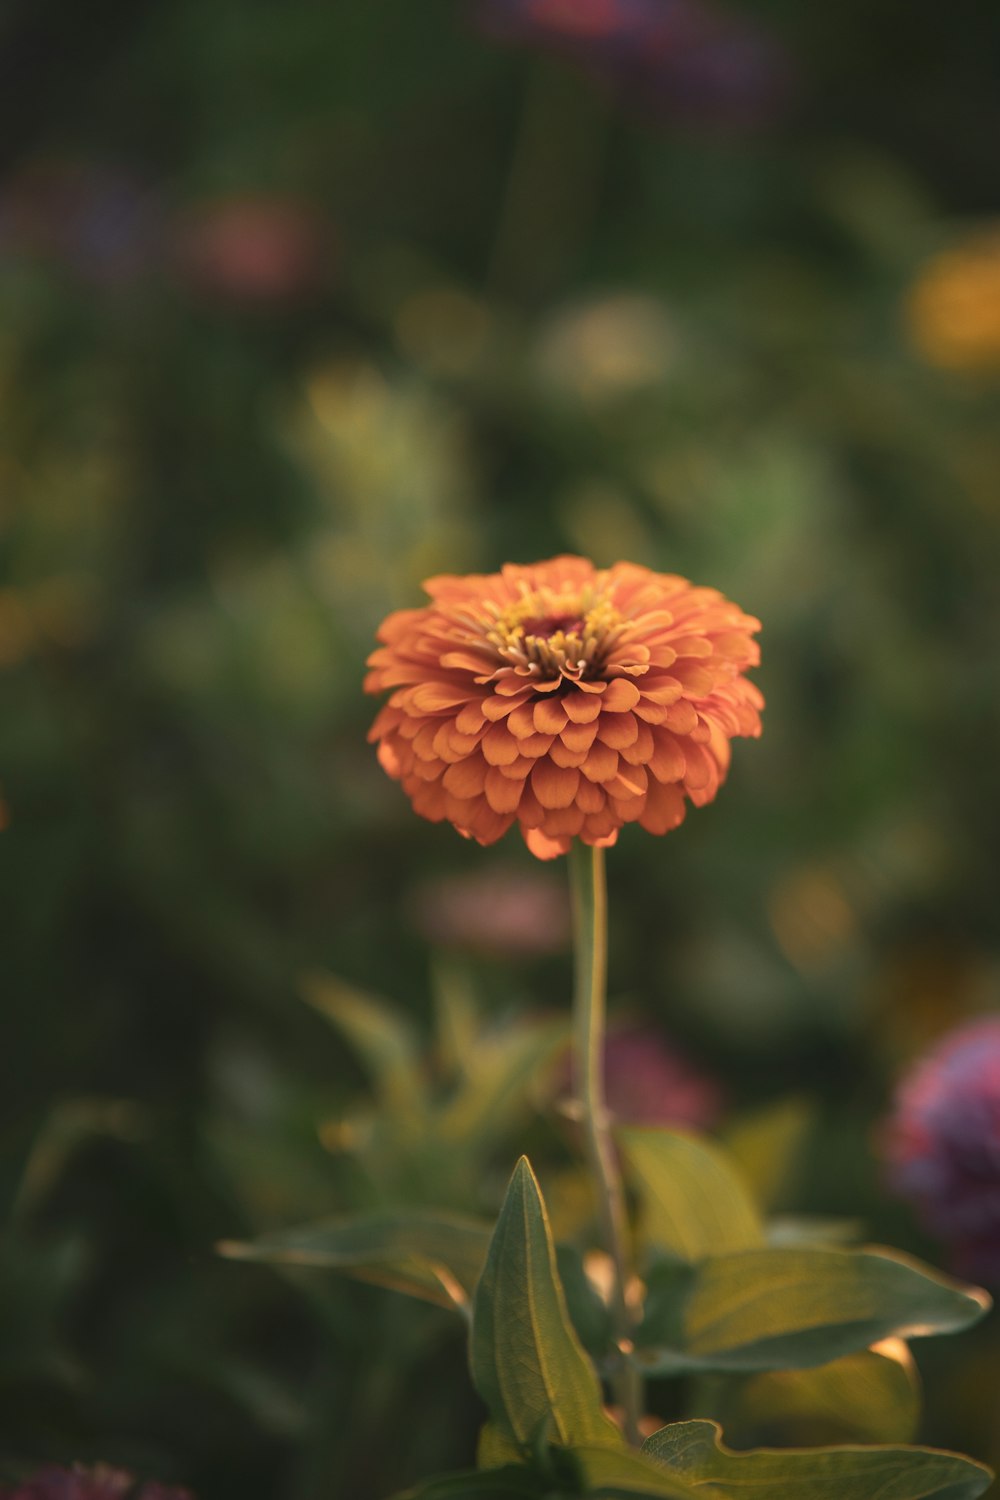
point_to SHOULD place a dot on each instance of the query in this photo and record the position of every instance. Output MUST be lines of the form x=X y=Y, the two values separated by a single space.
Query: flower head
x=100 y=1483
x=942 y=1145
x=564 y=698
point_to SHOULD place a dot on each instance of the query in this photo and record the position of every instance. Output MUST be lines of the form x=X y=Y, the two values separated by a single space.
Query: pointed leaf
x=694 y=1201
x=386 y=1041
x=437 y=1257
x=527 y=1362
x=693 y=1450
x=787 y=1309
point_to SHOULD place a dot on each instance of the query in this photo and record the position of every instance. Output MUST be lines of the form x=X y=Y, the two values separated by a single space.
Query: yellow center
x=549 y=632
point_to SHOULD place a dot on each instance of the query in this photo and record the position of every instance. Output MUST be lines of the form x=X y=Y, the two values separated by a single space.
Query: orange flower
x=568 y=699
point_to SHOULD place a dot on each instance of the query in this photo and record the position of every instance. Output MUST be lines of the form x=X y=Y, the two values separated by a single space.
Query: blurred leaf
x=588 y=1311
x=869 y=1397
x=766 y=1145
x=437 y=1257
x=788 y=1309
x=498 y=1072
x=813 y=1229
x=694 y=1450
x=387 y=1041
x=694 y=1202
x=527 y=1362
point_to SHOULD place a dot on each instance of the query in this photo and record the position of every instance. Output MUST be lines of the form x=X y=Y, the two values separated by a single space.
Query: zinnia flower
x=563 y=698
x=942 y=1145
x=100 y=1483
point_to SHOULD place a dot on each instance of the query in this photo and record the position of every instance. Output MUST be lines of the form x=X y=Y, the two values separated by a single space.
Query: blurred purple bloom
x=680 y=58
x=509 y=912
x=100 y=1483
x=89 y=216
x=648 y=1082
x=942 y=1145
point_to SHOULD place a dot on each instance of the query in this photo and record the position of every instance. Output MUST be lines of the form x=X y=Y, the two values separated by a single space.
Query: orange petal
x=388 y=759
x=553 y=785
x=590 y=796
x=436 y=697
x=665 y=691
x=638 y=753
x=518 y=769
x=521 y=720
x=563 y=821
x=563 y=756
x=600 y=825
x=495 y=707
x=530 y=812
x=621 y=695
x=601 y=763
x=423 y=740
x=581 y=707
x=579 y=736
x=466 y=778
x=543 y=847
x=470 y=719
x=499 y=746
x=668 y=760
x=449 y=745
x=664 y=808
x=502 y=793
x=630 y=782
x=535 y=745
x=682 y=717
x=550 y=716
x=618 y=730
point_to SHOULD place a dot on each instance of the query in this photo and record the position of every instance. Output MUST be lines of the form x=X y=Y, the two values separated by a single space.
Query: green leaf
x=694 y=1450
x=766 y=1146
x=590 y=1314
x=437 y=1257
x=385 y=1040
x=869 y=1397
x=527 y=1362
x=787 y=1309
x=694 y=1201
x=611 y=1473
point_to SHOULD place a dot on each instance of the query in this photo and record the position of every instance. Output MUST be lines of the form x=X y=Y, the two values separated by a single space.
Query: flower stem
x=590 y=930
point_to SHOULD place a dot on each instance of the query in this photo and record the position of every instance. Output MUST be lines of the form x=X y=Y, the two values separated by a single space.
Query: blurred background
x=299 y=305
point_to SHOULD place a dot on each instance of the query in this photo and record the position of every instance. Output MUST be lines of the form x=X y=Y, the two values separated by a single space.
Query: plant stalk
x=590 y=931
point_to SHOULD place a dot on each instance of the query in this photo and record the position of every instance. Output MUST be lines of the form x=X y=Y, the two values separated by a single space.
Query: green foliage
x=694 y=1202
x=872 y=1396
x=694 y=1450
x=437 y=1258
x=786 y=1309
x=441 y=1111
x=527 y=1362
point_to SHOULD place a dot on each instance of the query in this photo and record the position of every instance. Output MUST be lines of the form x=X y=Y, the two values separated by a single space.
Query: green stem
x=590 y=929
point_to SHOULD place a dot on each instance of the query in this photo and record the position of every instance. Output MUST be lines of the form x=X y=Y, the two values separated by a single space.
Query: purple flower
x=100 y=1483
x=942 y=1145
x=89 y=216
x=678 y=58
